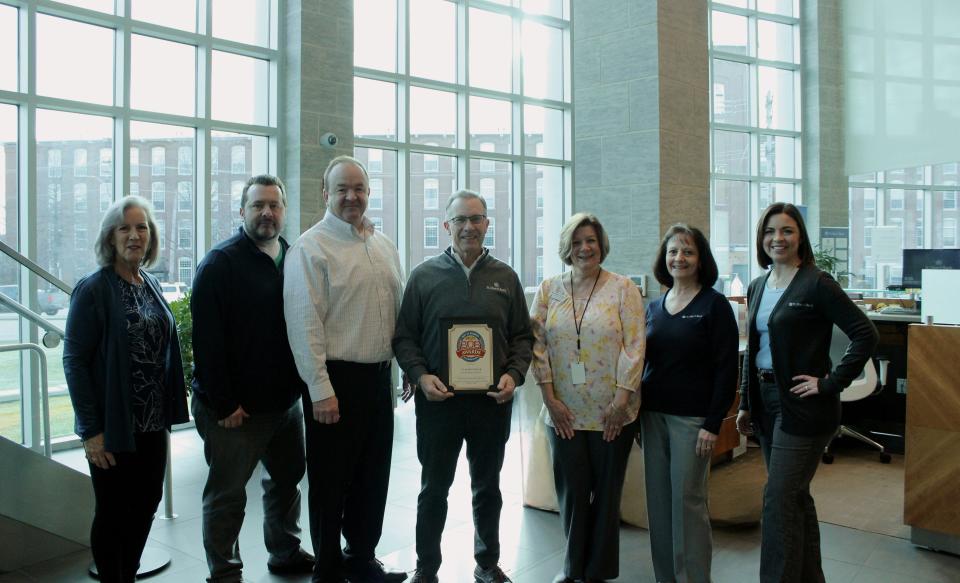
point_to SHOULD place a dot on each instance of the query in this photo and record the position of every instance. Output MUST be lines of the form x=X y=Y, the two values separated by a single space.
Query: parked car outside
x=52 y=301
x=49 y=301
x=173 y=291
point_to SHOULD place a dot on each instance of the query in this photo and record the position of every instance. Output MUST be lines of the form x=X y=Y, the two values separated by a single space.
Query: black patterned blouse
x=147 y=336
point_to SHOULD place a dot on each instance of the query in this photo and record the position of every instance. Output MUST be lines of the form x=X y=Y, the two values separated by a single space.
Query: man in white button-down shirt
x=341 y=294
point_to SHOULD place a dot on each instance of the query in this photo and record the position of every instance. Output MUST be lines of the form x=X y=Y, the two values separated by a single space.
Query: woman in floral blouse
x=588 y=358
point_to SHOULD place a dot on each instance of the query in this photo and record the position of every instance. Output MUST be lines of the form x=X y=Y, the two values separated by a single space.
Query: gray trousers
x=676 y=480
x=588 y=473
x=276 y=440
x=790 y=535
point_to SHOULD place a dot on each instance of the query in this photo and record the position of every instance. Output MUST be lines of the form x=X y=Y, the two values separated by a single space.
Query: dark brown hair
x=263 y=180
x=805 y=251
x=707 y=271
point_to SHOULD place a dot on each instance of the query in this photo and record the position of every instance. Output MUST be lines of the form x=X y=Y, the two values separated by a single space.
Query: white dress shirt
x=341 y=295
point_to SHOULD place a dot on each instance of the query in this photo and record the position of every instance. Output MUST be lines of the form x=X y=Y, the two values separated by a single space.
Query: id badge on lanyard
x=578 y=372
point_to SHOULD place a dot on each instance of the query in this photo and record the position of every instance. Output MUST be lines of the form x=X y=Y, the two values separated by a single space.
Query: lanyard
x=573 y=301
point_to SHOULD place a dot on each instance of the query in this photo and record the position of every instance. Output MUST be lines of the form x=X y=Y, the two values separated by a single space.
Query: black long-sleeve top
x=801 y=329
x=241 y=353
x=691 y=359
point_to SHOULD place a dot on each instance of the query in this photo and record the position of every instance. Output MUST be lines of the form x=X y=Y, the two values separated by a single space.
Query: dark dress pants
x=127 y=496
x=790 y=535
x=348 y=465
x=442 y=428
x=276 y=440
x=588 y=473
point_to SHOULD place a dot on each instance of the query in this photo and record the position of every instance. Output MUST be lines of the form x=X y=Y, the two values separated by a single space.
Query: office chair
x=870 y=382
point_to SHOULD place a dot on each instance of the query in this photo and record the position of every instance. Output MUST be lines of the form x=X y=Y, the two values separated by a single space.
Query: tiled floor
x=531 y=539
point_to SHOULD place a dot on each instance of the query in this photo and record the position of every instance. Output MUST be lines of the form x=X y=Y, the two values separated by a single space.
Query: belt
x=383 y=364
x=765 y=375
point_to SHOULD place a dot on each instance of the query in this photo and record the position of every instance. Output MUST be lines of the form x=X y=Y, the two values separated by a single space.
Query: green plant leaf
x=181 y=313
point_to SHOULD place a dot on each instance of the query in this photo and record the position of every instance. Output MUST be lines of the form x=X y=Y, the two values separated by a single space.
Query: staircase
x=46 y=508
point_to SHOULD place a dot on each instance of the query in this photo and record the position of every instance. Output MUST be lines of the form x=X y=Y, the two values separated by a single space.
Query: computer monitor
x=916 y=260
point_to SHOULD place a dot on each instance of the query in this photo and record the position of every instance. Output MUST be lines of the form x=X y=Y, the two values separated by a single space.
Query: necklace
x=781 y=281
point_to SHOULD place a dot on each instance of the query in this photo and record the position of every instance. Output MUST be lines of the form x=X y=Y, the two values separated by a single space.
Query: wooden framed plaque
x=468 y=357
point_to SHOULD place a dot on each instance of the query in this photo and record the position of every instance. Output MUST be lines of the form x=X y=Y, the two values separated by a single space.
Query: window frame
x=431 y=231
x=886 y=203
x=755 y=179
x=37 y=184
x=516 y=212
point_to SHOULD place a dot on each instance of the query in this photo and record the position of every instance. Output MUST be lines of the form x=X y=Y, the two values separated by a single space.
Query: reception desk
x=932 y=464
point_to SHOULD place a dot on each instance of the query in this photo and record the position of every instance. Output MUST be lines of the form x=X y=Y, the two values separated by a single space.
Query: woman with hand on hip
x=121 y=358
x=790 y=391
x=587 y=359
x=689 y=382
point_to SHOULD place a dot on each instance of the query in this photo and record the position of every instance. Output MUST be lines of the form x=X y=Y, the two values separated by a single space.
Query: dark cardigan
x=96 y=361
x=801 y=328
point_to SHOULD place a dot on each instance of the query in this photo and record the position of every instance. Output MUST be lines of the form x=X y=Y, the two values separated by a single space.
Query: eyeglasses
x=474 y=219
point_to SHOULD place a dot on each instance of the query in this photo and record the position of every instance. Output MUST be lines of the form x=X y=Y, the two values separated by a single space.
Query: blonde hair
x=582 y=220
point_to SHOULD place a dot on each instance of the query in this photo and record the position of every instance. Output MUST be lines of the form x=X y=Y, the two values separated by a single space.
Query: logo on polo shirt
x=496 y=287
x=470 y=347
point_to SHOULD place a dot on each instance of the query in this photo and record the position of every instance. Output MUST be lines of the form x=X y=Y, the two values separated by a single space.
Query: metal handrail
x=44 y=389
x=58 y=334
x=34 y=267
x=30 y=315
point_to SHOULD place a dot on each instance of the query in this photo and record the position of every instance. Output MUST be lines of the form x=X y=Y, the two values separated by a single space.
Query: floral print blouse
x=612 y=339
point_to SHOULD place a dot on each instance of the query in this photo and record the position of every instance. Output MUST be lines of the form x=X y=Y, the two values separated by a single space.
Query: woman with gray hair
x=588 y=349
x=122 y=361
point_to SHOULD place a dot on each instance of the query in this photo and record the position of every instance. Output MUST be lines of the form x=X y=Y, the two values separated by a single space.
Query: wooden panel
x=728 y=438
x=932 y=479
x=933 y=391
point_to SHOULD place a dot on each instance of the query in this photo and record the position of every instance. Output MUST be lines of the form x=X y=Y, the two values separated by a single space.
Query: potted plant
x=831 y=264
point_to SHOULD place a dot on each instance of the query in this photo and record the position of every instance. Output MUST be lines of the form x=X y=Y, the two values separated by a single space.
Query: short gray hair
x=466 y=195
x=113 y=218
x=263 y=180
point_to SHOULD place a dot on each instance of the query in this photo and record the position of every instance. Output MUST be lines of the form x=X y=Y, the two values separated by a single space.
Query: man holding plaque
x=463 y=336
x=341 y=293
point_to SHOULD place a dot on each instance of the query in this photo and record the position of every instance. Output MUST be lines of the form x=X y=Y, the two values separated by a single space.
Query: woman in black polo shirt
x=688 y=384
x=789 y=394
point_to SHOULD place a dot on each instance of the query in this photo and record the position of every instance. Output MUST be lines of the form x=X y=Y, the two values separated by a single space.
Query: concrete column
x=641 y=121
x=825 y=189
x=317 y=47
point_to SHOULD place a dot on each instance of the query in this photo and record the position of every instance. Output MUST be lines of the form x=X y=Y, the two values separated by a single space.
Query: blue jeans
x=790 y=537
x=276 y=440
